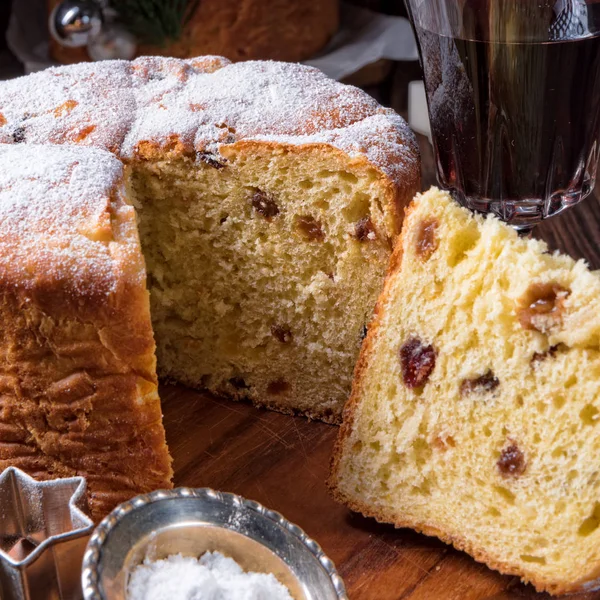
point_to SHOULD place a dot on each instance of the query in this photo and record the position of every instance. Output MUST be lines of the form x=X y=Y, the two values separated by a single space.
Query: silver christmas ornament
x=74 y=23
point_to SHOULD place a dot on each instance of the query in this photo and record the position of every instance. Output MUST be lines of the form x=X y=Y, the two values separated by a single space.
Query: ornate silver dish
x=193 y=521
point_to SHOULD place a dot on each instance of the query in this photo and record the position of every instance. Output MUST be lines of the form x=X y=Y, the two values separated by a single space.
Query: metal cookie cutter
x=44 y=529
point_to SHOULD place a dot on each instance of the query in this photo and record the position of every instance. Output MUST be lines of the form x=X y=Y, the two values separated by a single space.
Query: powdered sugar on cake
x=80 y=104
x=201 y=104
x=55 y=204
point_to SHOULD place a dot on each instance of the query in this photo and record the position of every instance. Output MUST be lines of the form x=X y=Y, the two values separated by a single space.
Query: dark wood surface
x=283 y=461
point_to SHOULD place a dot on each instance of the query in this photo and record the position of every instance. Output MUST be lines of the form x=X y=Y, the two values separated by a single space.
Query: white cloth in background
x=365 y=37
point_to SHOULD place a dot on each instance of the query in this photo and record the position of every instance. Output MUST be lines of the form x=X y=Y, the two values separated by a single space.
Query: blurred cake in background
x=288 y=30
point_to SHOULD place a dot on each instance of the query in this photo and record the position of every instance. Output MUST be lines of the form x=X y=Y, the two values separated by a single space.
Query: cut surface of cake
x=268 y=198
x=475 y=408
x=77 y=364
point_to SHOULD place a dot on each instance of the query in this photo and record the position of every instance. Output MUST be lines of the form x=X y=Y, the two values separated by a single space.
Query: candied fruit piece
x=65 y=108
x=277 y=387
x=417 y=361
x=487 y=382
x=310 y=228
x=3 y=120
x=210 y=159
x=364 y=230
x=282 y=333
x=81 y=134
x=512 y=461
x=264 y=205
x=541 y=307
x=427 y=242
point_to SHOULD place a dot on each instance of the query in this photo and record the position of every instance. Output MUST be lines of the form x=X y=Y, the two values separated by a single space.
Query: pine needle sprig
x=155 y=22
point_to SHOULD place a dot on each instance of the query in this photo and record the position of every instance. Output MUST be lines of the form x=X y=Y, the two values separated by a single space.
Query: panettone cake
x=268 y=198
x=475 y=407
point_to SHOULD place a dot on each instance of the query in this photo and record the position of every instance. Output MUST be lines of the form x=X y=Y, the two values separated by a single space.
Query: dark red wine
x=513 y=121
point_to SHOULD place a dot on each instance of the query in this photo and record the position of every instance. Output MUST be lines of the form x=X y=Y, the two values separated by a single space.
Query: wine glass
x=513 y=92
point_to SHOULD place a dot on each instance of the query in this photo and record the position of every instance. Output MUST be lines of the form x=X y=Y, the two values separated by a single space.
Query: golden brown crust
x=72 y=404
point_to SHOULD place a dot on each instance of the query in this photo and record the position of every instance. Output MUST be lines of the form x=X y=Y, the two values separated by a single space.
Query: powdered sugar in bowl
x=194 y=522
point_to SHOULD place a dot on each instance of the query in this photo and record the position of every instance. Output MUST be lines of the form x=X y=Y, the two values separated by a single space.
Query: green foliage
x=155 y=22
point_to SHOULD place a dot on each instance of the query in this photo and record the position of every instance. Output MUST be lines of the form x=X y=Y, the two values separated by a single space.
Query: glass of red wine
x=513 y=91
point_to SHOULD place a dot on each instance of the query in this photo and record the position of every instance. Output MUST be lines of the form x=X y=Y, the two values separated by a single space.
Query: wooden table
x=283 y=461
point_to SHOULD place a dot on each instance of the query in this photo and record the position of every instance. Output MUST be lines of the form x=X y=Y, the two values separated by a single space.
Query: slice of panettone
x=475 y=411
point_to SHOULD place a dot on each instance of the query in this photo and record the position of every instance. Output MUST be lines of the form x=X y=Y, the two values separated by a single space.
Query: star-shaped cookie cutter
x=44 y=528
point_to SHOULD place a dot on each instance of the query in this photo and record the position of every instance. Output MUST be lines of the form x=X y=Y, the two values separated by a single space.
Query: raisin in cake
x=77 y=365
x=475 y=410
x=268 y=199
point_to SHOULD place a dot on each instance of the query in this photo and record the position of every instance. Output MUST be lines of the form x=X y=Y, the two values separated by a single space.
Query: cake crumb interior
x=263 y=269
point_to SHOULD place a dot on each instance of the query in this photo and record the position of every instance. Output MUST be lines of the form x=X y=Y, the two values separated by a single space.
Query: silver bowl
x=193 y=521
